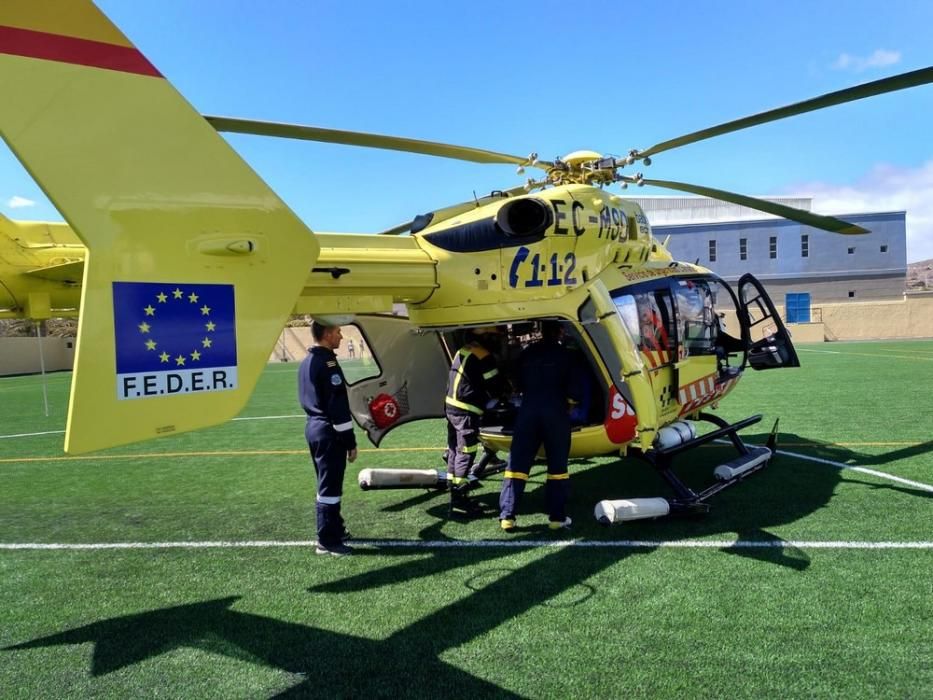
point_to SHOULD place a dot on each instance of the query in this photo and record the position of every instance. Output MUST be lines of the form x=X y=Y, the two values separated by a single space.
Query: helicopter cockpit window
x=696 y=315
x=648 y=317
x=356 y=359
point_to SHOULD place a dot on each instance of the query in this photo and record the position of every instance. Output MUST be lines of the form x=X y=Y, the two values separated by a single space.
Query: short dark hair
x=317 y=331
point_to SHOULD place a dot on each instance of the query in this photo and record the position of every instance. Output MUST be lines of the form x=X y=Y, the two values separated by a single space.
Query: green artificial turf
x=484 y=621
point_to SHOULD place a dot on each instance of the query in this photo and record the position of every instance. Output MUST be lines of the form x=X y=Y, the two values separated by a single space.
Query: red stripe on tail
x=69 y=49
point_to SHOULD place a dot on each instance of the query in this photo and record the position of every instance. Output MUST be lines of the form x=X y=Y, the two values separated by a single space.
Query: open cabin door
x=770 y=345
x=412 y=378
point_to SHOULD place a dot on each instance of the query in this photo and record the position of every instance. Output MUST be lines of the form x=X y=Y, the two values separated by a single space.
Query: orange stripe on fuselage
x=69 y=49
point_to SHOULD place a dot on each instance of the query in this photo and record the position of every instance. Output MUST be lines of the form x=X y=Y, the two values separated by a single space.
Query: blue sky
x=550 y=77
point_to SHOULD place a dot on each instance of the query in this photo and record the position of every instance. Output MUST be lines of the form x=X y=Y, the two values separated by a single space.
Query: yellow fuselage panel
x=27 y=249
x=588 y=441
x=357 y=267
x=589 y=230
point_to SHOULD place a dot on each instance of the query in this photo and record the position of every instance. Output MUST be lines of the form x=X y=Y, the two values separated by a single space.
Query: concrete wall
x=909 y=317
x=807 y=332
x=21 y=355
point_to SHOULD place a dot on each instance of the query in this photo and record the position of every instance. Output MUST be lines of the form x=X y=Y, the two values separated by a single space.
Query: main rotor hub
x=578 y=158
x=586 y=168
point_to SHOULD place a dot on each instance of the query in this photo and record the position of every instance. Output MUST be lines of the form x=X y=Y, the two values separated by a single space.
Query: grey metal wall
x=835 y=266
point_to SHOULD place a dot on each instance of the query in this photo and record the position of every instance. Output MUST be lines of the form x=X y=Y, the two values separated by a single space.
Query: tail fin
x=193 y=262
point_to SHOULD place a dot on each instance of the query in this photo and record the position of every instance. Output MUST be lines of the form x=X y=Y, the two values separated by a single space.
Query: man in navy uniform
x=322 y=392
x=548 y=381
x=473 y=384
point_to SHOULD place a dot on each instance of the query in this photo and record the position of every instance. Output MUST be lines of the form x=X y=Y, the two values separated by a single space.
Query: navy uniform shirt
x=322 y=392
x=547 y=377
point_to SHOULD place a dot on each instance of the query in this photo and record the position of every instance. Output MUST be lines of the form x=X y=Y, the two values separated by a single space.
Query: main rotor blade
x=398 y=230
x=877 y=87
x=826 y=223
x=359 y=138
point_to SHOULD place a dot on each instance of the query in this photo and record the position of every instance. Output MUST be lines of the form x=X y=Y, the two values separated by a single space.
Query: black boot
x=461 y=505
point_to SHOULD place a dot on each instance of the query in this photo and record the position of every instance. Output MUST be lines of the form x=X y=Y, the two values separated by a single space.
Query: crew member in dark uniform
x=473 y=383
x=322 y=392
x=548 y=381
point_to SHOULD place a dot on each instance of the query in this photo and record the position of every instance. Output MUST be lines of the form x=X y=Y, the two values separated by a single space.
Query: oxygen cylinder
x=675 y=434
x=401 y=479
x=608 y=512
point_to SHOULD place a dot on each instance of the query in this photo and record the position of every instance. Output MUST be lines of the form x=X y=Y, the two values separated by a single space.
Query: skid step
x=743 y=464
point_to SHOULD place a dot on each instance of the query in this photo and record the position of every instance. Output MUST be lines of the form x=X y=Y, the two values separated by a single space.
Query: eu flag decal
x=174 y=339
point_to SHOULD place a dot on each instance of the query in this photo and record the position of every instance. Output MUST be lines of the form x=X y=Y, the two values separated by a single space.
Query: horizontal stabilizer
x=67 y=272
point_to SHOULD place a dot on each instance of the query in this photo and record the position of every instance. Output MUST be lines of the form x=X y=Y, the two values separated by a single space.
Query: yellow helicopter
x=193 y=266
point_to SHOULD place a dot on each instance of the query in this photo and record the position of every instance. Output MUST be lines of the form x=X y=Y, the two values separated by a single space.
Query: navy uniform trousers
x=462 y=444
x=329 y=455
x=537 y=424
x=322 y=392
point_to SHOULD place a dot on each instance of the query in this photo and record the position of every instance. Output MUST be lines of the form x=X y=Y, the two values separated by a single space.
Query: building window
x=804 y=246
x=852 y=250
x=772 y=247
x=712 y=251
x=743 y=249
x=797 y=307
x=851 y=293
x=884 y=249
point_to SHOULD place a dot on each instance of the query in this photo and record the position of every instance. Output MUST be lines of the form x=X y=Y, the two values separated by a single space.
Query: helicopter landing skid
x=749 y=460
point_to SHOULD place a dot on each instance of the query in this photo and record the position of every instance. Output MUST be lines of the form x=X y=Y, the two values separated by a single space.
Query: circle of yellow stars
x=152 y=345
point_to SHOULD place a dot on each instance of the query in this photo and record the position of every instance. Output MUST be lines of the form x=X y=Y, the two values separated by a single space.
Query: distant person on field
x=350 y=352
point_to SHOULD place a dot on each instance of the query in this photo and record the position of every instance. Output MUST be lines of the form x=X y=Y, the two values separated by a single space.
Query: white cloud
x=884 y=188
x=17 y=202
x=879 y=58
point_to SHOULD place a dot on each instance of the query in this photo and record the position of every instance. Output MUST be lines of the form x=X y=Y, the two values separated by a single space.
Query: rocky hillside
x=920 y=275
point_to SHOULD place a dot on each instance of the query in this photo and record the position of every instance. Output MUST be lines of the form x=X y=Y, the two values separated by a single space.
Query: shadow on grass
x=409 y=661
x=844 y=454
x=891 y=487
x=337 y=665
x=788 y=490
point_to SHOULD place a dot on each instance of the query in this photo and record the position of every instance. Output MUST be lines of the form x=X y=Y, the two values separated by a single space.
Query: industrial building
x=800 y=266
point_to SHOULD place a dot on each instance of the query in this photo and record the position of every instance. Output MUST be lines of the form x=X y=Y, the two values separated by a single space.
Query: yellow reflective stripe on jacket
x=467 y=449
x=464 y=354
x=490 y=374
x=457 y=480
x=551 y=477
x=515 y=475
x=465 y=406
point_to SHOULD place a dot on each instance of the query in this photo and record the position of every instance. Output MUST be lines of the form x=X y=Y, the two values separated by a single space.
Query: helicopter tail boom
x=193 y=263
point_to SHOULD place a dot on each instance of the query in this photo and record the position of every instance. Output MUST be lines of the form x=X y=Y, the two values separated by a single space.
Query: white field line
x=866 y=354
x=928 y=353
x=292 y=415
x=19 y=435
x=479 y=544
x=59 y=432
x=864 y=470
x=838 y=465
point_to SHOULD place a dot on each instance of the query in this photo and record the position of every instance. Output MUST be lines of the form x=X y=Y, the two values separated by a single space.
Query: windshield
x=695 y=309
